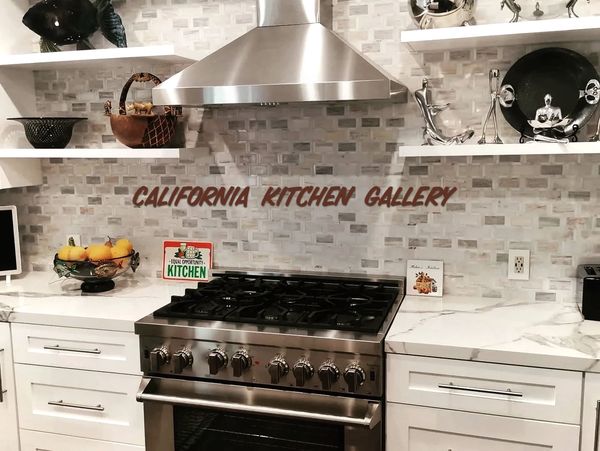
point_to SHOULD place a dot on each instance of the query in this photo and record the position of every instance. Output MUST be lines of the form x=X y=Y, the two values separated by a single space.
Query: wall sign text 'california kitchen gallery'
x=286 y=196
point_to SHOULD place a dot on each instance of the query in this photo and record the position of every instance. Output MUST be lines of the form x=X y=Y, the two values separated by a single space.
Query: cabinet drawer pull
x=508 y=392
x=1 y=390
x=61 y=403
x=83 y=351
x=596 y=438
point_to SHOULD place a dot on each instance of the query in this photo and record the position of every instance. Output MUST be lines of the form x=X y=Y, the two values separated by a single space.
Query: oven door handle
x=371 y=415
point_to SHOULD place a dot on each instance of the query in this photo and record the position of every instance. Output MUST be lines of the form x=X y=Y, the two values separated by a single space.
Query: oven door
x=184 y=415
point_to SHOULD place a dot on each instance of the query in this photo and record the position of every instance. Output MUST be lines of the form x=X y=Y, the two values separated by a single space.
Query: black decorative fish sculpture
x=63 y=22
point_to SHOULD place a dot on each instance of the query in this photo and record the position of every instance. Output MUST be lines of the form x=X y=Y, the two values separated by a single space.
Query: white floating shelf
x=504 y=34
x=89 y=153
x=500 y=149
x=101 y=57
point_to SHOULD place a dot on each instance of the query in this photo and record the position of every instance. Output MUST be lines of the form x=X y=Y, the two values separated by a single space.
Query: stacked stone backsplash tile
x=548 y=204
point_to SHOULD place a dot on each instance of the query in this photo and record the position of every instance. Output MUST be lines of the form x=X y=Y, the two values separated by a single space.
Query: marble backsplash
x=548 y=204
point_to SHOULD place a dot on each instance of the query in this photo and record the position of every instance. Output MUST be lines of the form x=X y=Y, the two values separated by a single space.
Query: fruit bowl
x=97 y=275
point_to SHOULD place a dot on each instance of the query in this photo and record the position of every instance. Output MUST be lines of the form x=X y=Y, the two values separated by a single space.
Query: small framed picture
x=424 y=277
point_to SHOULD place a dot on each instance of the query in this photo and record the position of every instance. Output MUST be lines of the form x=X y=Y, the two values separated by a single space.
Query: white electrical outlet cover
x=518 y=264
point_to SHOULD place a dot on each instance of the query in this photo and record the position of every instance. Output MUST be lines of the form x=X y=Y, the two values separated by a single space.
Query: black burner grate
x=359 y=306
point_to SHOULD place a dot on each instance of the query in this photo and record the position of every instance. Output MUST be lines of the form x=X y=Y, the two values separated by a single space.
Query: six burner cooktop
x=288 y=301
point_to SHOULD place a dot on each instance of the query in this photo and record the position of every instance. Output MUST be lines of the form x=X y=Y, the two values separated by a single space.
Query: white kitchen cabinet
x=414 y=428
x=43 y=441
x=87 y=404
x=9 y=430
x=590 y=419
x=85 y=349
x=514 y=391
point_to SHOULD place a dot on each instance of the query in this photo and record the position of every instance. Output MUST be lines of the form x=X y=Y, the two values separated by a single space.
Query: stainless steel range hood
x=292 y=56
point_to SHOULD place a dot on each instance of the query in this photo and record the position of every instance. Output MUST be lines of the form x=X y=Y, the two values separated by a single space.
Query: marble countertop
x=540 y=334
x=41 y=298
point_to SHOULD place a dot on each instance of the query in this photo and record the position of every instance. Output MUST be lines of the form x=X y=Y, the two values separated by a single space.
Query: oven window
x=204 y=430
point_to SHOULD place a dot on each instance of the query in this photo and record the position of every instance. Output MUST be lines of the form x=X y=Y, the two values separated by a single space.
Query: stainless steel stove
x=267 y=348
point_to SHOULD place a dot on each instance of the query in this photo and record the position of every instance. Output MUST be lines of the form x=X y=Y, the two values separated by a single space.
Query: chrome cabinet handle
x=83 y=351
x=596 y=438
x=508 y=392
x=2 y=391
x=61 y=403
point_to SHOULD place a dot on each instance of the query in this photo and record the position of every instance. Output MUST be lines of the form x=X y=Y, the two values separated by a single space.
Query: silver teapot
x=442 y=13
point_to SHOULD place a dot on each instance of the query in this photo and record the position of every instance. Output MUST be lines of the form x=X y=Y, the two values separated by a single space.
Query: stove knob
x=240 y=361
x=158 y=358
x=354 y=376
x=217 y=359
x=181 y=360
x=303 y=371
x=278 y=368
x=328 y=375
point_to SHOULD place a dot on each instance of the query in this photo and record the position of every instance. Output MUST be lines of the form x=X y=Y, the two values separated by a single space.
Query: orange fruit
x=125 y=243
x=99 y=252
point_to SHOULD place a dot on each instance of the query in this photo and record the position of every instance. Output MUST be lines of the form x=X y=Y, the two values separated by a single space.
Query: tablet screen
x=8 y=255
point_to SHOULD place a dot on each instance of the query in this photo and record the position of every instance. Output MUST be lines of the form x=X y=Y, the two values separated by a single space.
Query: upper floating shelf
x=89 y=153
x=500 y=149
x=504 y=34
x=81 y=59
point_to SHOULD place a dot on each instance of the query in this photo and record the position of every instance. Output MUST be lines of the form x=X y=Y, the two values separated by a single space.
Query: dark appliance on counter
x=256 y=361
x=588 y=291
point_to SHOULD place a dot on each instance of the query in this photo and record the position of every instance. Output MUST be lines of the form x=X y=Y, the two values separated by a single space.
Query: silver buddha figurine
x=431 y=132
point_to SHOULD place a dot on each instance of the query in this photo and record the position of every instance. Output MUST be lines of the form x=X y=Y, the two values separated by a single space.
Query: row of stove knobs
x=278 y=368
x=328 y=372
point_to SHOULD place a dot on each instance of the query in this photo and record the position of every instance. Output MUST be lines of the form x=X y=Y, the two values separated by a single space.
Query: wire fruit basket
x=97 y=276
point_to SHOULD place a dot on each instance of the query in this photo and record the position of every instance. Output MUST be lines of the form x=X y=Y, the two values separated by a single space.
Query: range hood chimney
x=292 y=56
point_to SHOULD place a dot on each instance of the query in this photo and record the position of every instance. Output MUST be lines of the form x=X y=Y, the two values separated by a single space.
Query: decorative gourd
x=100 y=252
x=72 y=253
x=125 y=243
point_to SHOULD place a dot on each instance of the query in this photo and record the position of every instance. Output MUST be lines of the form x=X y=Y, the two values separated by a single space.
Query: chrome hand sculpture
x=431 y=133
x=571 y=7
x=514 y=7
x=494 y=82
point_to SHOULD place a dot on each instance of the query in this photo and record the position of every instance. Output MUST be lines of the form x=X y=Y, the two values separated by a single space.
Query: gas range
x=305 y=332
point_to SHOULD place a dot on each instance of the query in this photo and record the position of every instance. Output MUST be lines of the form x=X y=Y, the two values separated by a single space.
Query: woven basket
x=142 y=131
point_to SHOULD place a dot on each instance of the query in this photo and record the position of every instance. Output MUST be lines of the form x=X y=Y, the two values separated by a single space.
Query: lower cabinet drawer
x=81 y=349
x=42 y=441
x=413 y=428
x=514 y=391
x=87 y=404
